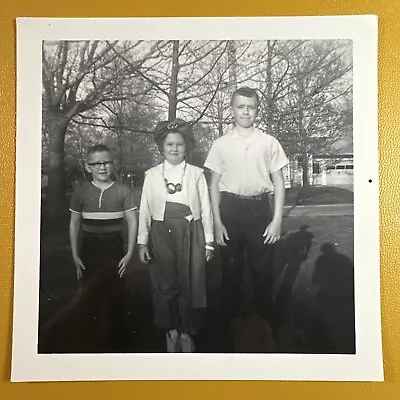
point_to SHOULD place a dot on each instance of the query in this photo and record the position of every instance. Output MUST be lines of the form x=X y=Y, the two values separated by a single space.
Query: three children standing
x=177 y=221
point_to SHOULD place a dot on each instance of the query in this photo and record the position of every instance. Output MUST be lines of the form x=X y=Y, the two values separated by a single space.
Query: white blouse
x=194 y=194
x=174 y=174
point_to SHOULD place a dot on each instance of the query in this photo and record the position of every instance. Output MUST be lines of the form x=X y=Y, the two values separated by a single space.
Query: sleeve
x=206 y=214
x=278 y=156
x=76 y=201
x=144 y=213
x=129 y=199
x=214 y=159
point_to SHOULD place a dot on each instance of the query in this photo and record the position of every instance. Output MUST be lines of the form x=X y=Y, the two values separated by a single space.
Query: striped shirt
x=102 y=210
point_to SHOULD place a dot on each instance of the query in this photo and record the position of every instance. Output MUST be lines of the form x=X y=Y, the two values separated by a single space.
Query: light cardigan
x=194 y=192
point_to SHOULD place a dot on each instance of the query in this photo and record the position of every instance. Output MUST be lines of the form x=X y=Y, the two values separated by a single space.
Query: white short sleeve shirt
x=245 y=165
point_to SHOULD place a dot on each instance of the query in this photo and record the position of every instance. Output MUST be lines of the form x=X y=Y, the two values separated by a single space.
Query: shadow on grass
x=334 y=301
x=321 y=323
x=294 y=251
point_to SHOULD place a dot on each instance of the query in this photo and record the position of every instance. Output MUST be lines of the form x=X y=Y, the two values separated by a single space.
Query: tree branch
x=110 y=127
x=207 y=73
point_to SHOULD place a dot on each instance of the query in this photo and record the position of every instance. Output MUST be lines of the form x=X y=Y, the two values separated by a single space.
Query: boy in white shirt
x=246 y=167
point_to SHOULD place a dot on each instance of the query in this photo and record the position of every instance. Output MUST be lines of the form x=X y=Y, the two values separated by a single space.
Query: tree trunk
x=232 y=66
x=303 y=132
x=57 y=127
x=121 y=172
x=269 y=87
x=306 y=178
x=174 y=81
x=220 y=118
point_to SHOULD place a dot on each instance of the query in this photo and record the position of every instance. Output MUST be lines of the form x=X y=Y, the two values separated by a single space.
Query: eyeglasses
x=98 y=165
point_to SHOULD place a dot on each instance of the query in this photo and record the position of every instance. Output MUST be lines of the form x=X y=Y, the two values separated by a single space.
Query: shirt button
x=169 y=230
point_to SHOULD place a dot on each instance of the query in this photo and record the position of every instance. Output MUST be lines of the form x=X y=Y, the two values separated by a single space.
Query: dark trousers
x=245 y=221
x=102 y=289
x=178 y=271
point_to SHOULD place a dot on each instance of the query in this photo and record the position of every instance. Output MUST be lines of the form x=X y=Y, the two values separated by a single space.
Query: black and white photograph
x=202 y=202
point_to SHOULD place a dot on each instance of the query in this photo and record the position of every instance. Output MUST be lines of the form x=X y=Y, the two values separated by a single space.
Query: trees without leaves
x=307 y=96
x=77 y=77
x=122 y=89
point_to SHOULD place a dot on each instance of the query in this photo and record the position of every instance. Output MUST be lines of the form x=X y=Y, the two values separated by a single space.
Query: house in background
x=333 y=170
x=330 y=169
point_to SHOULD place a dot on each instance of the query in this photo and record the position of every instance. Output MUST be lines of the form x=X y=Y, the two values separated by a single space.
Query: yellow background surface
x=389 y=119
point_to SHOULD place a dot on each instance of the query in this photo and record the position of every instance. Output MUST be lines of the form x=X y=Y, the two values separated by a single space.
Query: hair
x=98 y=148
x=246 y=92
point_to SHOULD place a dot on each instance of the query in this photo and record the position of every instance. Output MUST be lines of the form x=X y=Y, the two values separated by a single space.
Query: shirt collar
x=107 y=187
x=168 y=166
x=254 y=135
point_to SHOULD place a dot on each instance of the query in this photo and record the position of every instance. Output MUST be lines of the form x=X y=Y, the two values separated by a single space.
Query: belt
x=102 y=235
x=261 y=196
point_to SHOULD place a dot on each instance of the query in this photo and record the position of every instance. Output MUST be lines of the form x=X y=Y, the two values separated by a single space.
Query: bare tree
x=77 y=77
x=308 y=85
x=122 y=88
x=180 y=73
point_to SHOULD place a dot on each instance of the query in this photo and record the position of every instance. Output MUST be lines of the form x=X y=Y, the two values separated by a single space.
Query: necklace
x=172 y=188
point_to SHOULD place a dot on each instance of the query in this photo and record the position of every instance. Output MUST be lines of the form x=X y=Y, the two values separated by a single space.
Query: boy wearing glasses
x=97 y=212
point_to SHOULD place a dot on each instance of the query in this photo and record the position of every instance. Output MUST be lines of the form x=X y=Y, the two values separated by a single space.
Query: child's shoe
x=187 y=343
x=173 y=342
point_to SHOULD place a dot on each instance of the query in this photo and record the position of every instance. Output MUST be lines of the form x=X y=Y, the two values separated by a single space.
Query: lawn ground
x=311 y=288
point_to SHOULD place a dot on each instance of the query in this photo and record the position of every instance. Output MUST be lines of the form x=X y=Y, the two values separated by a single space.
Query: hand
x=123 y=264
x=144 y=254
x=221 y=234
x=209 y=254
x=79 y=267
x=272 y=233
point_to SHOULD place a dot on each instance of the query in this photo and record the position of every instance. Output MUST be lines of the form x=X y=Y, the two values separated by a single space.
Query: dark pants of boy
x=103 y=291
x=178 y=271
x=245 y=220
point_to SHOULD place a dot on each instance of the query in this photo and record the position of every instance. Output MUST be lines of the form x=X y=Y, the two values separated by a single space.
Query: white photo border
x=365 y=365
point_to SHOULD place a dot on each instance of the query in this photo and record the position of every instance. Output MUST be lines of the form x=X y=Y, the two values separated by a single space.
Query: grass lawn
x=316 y=195
x=313 y=285
x=312 y=282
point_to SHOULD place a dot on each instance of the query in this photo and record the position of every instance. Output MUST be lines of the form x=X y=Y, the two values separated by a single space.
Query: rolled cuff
x=209 y=238
x=131 y=209
x=142 y=239
x=279 y=165
x=213 y=167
